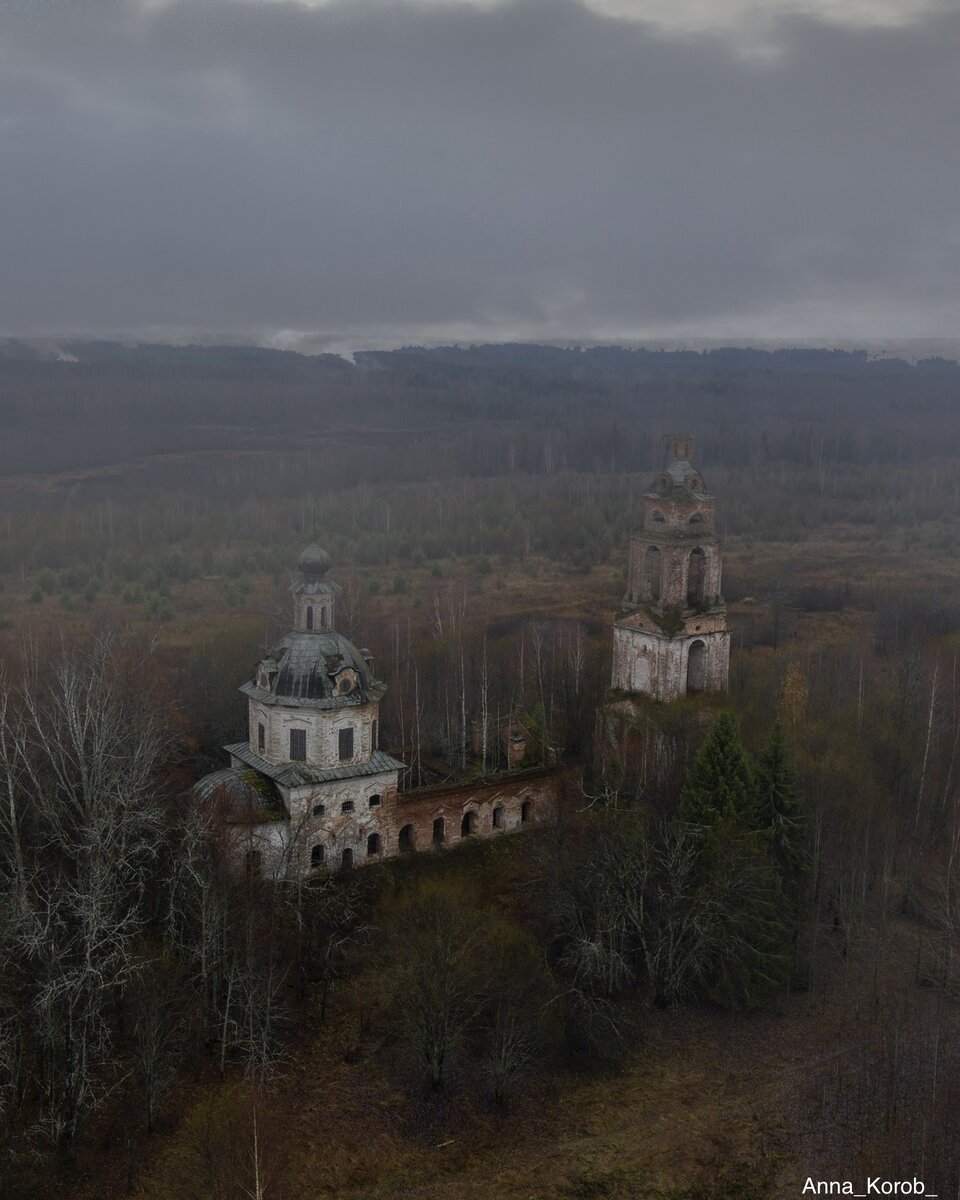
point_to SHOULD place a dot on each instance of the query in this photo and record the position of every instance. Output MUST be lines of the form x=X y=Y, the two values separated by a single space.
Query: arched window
x=346 y=859
x=405 y=839
x=697 y=668
x=323 y=616
x=696 y=575
x=652 y=573
x=657 y=518
x=309 y=616
x=374 y=801
x=696 y=520
x=468 y=825
x=316 y=857
x=261 y=736
x=498 y=817
x=438 y=830
x=373 y=843
x=526 y=809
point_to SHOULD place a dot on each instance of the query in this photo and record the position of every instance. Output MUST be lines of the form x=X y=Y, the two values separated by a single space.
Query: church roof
x=302 y=671
x=239 y=794
x=301 y=774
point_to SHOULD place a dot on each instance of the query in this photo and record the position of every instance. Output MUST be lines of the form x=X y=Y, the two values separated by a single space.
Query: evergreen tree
x=750 y=959
x=720 y=783
x=778 y=807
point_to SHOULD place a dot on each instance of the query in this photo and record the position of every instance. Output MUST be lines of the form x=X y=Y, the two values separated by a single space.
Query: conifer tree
x=778 y=806
x=720 y=783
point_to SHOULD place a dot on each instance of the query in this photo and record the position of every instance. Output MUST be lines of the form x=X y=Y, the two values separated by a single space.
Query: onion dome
x=314 y=561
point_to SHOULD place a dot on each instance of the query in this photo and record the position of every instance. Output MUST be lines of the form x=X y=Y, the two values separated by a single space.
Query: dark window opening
x=468 y=825
x=652 y=572
x=696 y=576
x=658 y=518
x=346 y=806
x=373 y=843
x=498 y=817
x=405 y=839
x=252 y=864
x=319 y=810
x=438 y=830
x=526 y=808
x=261 y=736
x=374 y=801
x=323 y=617
x=309 y=616
x=346 y=744
x=316 y=857
x=346 y=859
x=298 y=745
x=374 y=730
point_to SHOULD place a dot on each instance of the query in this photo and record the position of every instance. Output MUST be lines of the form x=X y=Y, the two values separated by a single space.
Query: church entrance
x=697 y=669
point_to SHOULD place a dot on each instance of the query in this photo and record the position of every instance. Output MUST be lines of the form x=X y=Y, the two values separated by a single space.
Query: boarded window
x=316 y=857
x=298 y=745
x=261 y=736
x=346 y=744
x=498 y=817
x=373 y=843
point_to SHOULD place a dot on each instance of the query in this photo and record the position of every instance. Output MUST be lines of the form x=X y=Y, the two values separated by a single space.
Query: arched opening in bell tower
x=652 y=574
x=697 y=669
x=696 y=574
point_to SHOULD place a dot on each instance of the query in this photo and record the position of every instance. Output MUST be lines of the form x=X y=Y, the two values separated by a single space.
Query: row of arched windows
x=406 y=839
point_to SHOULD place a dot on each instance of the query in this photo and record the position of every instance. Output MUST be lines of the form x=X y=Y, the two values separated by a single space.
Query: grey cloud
x=534 y=169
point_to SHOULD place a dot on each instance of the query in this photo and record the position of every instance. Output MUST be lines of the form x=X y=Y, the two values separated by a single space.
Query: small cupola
x=313 y=593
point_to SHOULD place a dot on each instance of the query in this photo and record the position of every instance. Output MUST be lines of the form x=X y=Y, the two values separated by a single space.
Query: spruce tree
x=720 y=783
x=778 y=806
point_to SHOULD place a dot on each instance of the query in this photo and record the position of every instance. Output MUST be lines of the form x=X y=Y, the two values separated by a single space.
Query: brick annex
x=311 y=789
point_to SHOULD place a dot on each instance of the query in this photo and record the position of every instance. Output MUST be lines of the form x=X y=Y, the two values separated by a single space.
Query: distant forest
x=193 y=458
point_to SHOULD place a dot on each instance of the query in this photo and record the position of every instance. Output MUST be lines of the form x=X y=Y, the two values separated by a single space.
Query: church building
x=308 y=788
x=671 y=638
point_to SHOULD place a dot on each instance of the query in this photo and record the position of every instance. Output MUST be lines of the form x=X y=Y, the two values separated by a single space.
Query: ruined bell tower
x=671 y=637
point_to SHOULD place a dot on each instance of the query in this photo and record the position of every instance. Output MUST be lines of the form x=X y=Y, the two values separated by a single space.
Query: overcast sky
x=407 y=170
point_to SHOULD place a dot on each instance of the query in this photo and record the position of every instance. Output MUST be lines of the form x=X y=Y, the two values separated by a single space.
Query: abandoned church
x=310 y=789
x=671 y=638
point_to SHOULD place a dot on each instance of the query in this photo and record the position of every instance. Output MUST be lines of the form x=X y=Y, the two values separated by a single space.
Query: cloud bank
x=525 y=169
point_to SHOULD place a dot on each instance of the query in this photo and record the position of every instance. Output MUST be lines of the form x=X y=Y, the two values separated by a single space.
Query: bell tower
x=671 y=637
